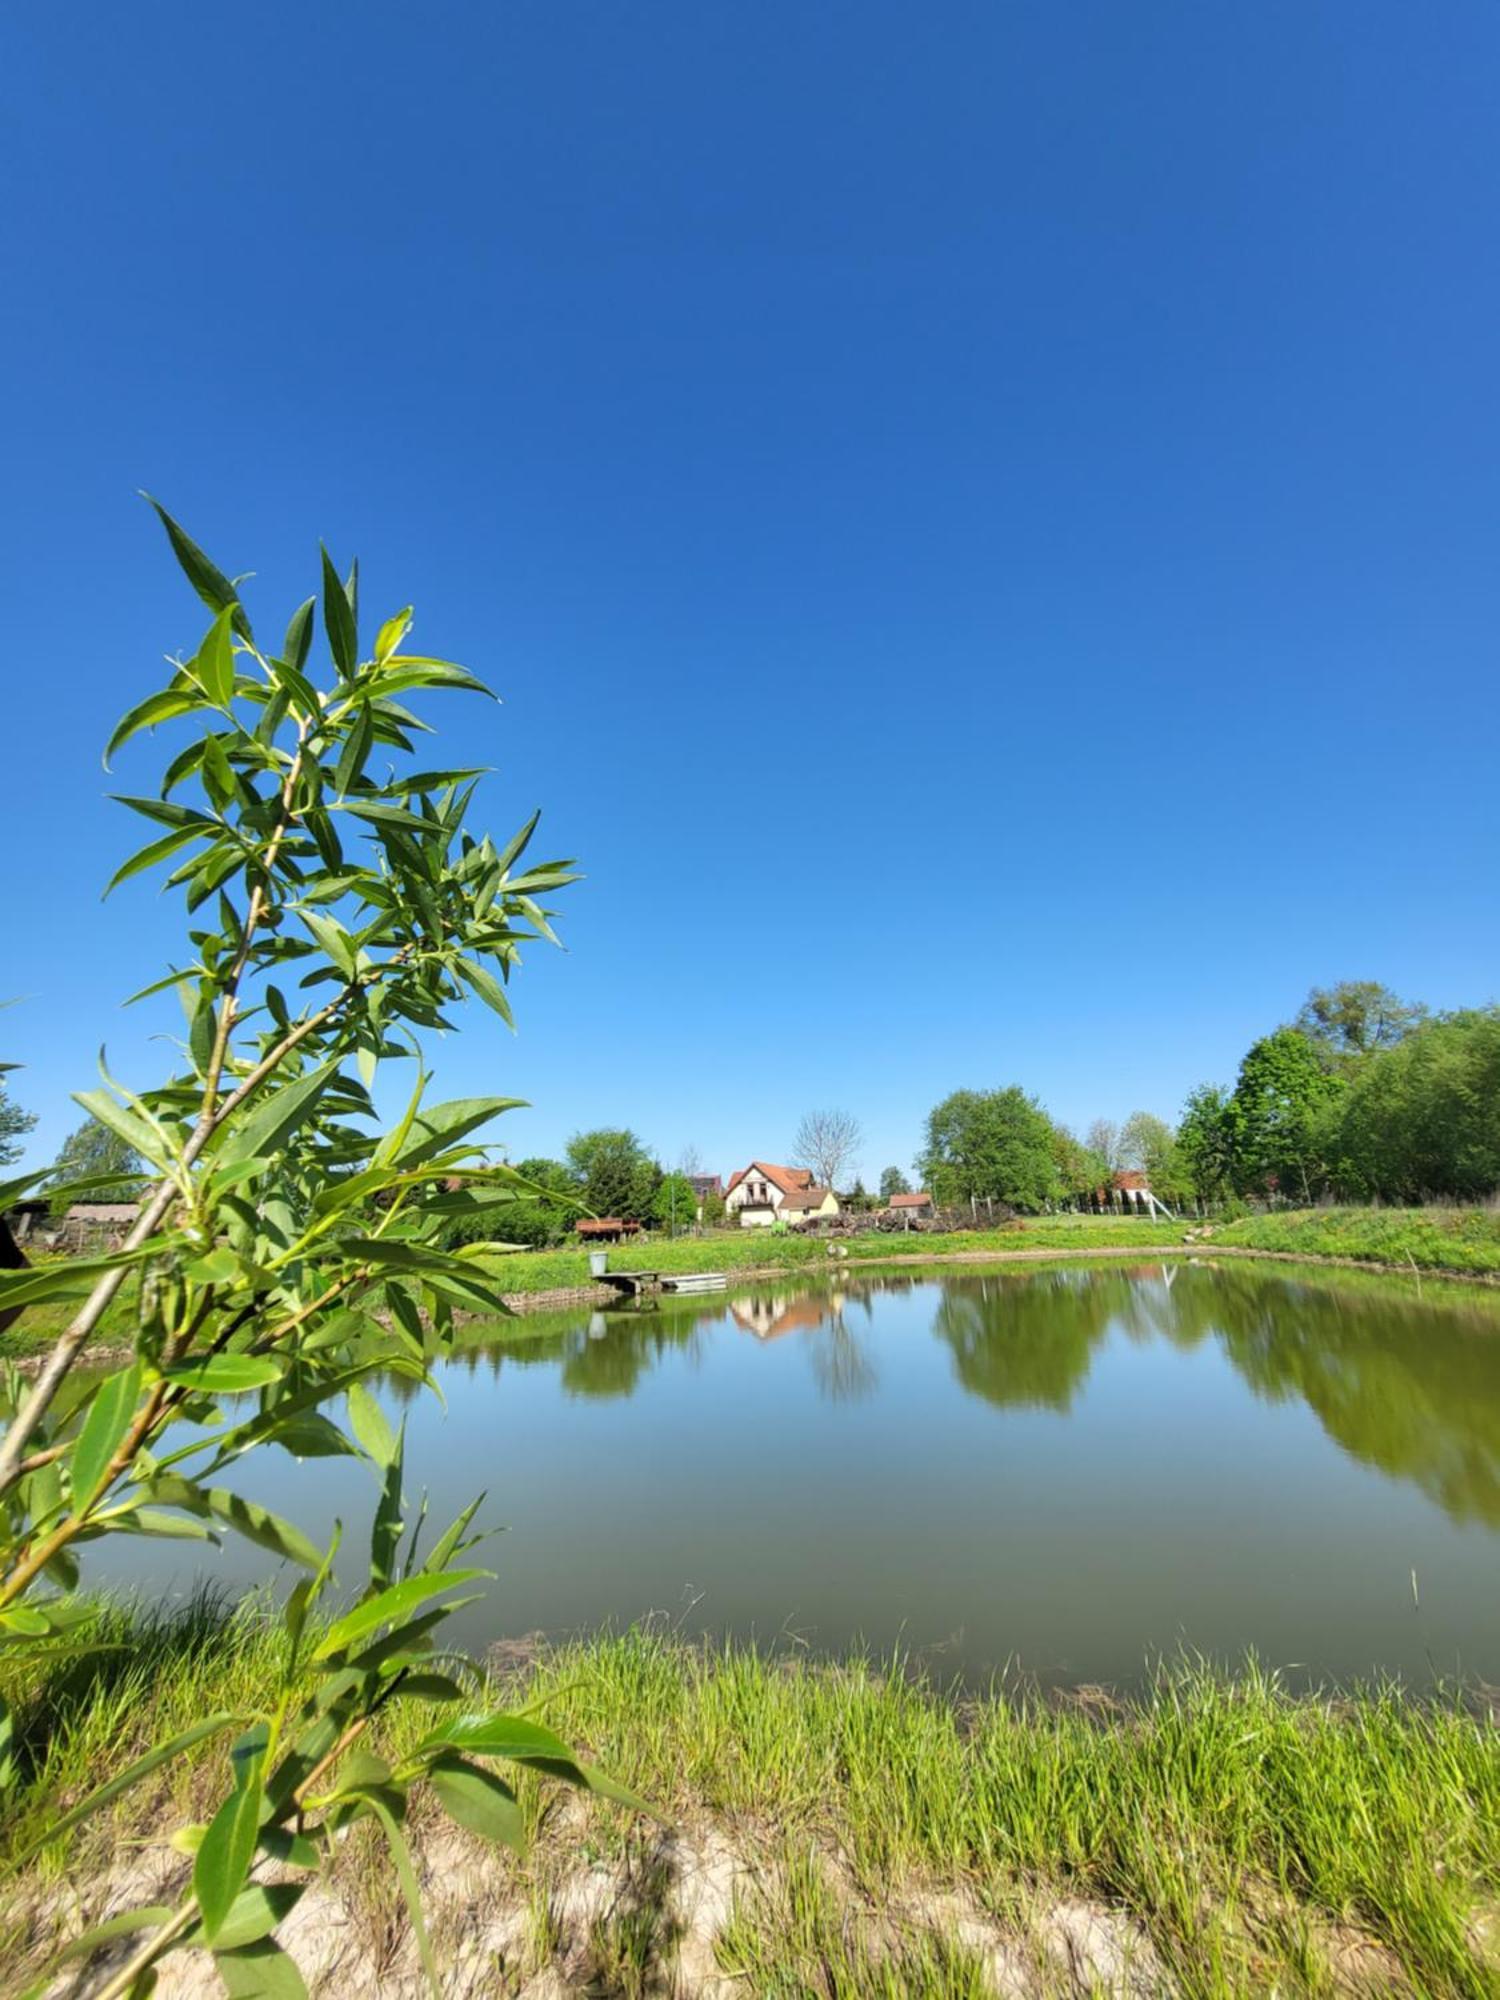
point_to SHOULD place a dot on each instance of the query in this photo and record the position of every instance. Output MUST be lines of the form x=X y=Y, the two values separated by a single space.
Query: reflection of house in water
x=768 y=1315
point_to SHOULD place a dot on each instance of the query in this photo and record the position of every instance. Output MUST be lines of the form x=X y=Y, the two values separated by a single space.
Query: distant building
x=1132 y=1186
x=98 y=1225
x=762 y=1193
x=605 y=1229
x=911 y=1204
x=705 y=1185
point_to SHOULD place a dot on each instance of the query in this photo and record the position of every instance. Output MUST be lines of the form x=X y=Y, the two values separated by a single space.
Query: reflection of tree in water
x=841 y=1366
x=1410 y=1388
x=1027 y=1341
x=610 y=1359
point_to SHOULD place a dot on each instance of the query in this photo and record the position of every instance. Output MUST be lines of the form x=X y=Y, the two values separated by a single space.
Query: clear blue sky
x=984 y=517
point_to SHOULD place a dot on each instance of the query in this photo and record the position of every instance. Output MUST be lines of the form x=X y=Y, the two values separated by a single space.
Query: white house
x=761 y=1194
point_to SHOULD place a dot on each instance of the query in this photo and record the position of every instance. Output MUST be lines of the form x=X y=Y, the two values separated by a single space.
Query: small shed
x=605 y=1229
x=913 y=1205
x=98 y=1225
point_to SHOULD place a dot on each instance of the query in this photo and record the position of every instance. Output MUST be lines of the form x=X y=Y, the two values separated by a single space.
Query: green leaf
x=164 y=706
x=487 y=986
x=147 y=1139
x=389 y=1605
x=247 y=1517
x=163 y=1753
x=334 y=940
x=261 y=1971
x=371 y=1425
x=268 y=1127
x=135 y=1520
x=513 y=1736
x=390 y=635
x=407 y=1877
x=151 y=1918
x=442 y=1125
x=103 y=1430
x=223 y=1860
x=67 y=1276
x=213 y=664
x=254 y=1913
x=403 y=670
x=292 y=1850
x=356 y=749
x=225 y=1374
x=479 y=1801
x=206 y=578
x=338 y=621
x=298 y=643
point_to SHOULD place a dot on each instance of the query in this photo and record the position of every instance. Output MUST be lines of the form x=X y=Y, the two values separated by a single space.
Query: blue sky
x=984 y=517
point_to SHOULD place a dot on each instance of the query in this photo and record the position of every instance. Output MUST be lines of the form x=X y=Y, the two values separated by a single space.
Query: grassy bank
x=1466 y=1241
x=848 y=1831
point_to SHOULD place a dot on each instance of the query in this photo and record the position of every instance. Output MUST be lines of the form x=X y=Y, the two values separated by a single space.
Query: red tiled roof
x=805 y=1198
x=1131 y=1177
x=790 y=1180
x=923 y=1200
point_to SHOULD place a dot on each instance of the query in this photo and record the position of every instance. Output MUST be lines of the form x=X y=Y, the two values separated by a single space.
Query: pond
x=1064 y=1470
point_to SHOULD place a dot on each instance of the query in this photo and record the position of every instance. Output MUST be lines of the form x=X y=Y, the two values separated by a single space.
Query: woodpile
x=901 y=1222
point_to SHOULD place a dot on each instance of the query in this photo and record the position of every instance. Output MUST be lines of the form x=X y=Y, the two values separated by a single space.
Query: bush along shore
x=823 y=1830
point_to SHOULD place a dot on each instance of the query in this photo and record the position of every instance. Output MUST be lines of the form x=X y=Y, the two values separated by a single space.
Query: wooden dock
x=637 y=1284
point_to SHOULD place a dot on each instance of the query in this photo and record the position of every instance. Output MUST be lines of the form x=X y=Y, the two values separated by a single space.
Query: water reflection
x=1402 y=1383
x=1069 y=1467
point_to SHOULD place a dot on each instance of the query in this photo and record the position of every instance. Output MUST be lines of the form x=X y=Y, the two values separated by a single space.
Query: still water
x=1067 y=1470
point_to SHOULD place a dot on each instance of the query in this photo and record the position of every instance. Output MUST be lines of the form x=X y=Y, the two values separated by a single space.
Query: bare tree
x=689 y=1162
x=1104 y=1139
x=826 y=1142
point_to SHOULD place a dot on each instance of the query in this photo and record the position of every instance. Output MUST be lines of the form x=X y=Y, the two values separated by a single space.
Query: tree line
x=1363 y=1097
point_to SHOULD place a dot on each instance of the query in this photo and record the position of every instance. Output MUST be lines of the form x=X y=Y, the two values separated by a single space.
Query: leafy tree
x=535 y=1222
x=1422 y=1118
x=288 y=1253
x=96 y=1162
x=990 y=1144
x=826 y=1143
x=1205 y=1142
x=1356 y=1018
x=14 y=1125
x=1149 y=1144
x=615 y=1173
x=1080 y=1170
x=675 y=1203
x=893 y=1181
x=1103 y=1138
x=1280 y=1117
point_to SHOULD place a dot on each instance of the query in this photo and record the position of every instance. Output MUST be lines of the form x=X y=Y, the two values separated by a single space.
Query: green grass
x=1250 y=1834
x=1431 y=1239
x=1427 y=1239
x=763 y=1249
